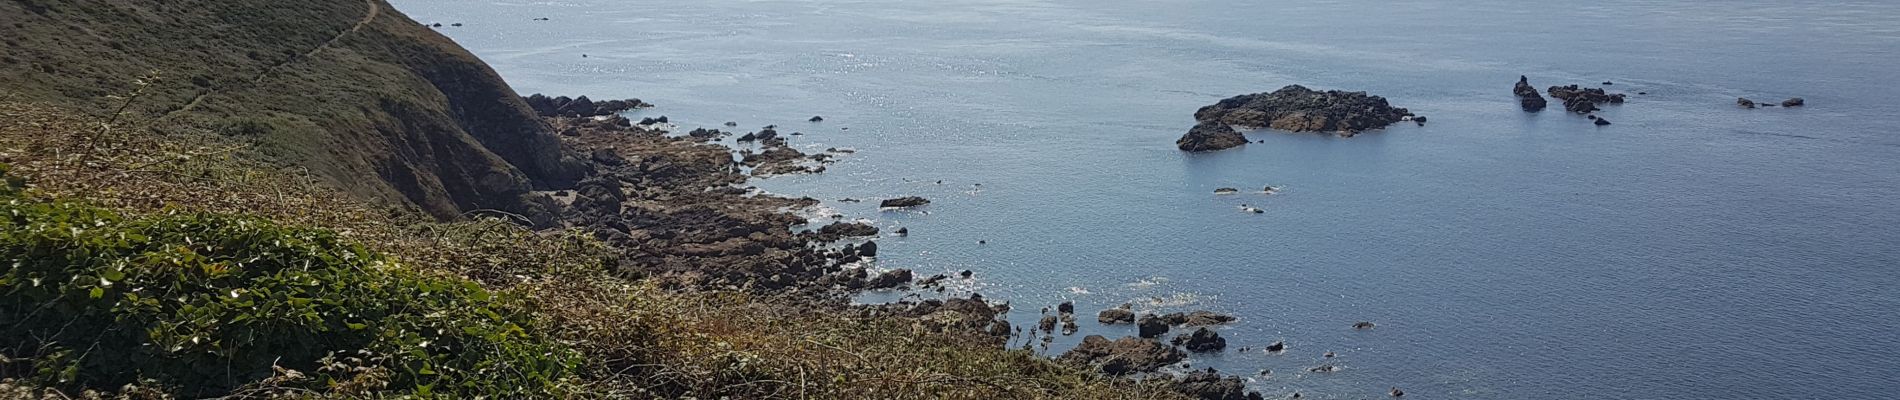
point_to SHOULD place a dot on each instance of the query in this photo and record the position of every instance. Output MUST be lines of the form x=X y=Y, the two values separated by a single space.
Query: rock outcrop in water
x=1115 y=316
x=1202 y=340
x=1209 y=384
x=1527 y=95
x=580 y=106
x=1211 y=136
x=1299 y=109
x=1150 y=326
x=1584 y=100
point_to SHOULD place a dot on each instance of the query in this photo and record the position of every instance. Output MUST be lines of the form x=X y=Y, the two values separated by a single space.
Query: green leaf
x=98 y=292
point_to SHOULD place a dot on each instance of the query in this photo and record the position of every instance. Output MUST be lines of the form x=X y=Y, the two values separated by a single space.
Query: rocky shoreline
x=673 y=209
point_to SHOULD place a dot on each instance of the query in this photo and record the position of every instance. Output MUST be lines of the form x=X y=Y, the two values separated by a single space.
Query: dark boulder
x=1794 y=102
x=1067 y=307
x=868 y=249
x=608 y=157
x=1201 y=341
x=1123 y=356
x=1601 y=121
x=1275 y=347
x=1363 y=325
x=815 y=118
x=1744 y=102
x=849 y=229
x=1299 y=109
x=907 y=201
x=1210 y=136
x=1048 y=323
x=889 y=279
x=1151 y=327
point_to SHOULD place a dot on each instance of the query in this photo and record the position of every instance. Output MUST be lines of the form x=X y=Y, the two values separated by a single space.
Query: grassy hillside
x=134 y=252
x=351 y=90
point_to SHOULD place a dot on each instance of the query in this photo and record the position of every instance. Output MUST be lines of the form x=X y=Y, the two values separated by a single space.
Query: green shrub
x=205 y=304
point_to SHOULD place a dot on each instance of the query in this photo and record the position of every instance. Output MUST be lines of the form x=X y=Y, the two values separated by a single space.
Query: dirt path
x=375 y=9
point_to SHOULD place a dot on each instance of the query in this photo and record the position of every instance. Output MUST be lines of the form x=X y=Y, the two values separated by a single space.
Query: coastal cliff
x=358 y=94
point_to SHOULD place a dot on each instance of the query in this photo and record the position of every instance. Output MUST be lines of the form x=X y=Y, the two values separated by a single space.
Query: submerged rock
x=1744 y=102
x=906 y=201
x=1206 y=318
x=1226 y=190
x=1210 y=136
x=1209 y=384
x=1299 y=109
x=849 y=229
x=1123 y=356
x=1584 y=100
x=1794 y=102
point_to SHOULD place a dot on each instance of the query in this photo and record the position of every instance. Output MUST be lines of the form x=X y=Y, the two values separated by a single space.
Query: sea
x=1691 y=250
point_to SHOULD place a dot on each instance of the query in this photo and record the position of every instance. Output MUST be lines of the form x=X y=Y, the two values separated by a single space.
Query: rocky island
x=1296 y=108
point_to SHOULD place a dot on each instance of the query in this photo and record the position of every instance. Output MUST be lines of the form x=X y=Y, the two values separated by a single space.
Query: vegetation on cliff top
x=220 y=198
x=359 y=95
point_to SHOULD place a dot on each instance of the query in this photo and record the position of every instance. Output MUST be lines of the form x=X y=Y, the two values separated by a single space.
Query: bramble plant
x=206 y=304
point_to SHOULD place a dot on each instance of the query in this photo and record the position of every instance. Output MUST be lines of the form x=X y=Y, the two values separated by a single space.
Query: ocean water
x=1691 y=250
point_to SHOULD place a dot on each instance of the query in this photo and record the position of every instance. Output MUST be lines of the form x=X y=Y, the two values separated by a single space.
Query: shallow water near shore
x=1691 y=250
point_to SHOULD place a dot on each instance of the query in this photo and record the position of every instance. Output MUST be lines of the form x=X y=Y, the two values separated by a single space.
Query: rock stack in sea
x=1527 y=95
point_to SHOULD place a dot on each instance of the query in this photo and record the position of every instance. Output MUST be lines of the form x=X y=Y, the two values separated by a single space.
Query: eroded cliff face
x=351 y=90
